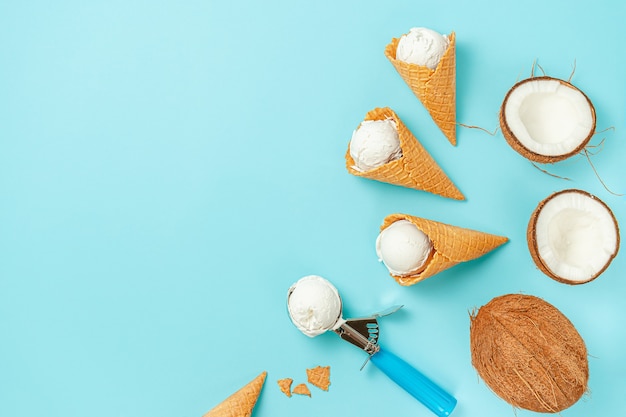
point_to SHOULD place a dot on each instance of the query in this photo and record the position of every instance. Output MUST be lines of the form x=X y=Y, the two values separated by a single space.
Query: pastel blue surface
x=169 y=168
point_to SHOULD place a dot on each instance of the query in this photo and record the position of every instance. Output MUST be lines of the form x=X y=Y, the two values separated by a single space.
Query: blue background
x=169 y=168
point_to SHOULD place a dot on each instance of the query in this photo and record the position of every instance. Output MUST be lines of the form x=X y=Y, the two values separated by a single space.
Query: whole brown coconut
x=529 y=353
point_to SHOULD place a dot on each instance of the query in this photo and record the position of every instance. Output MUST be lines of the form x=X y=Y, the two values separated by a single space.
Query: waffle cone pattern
x=436 y=89
x=242 y=402
x=414 y=169
x=452 y=245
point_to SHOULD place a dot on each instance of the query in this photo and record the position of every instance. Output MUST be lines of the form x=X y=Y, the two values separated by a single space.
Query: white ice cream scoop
x=315 y=307
x=375 y=143
x=422 y=46
x=403 y=248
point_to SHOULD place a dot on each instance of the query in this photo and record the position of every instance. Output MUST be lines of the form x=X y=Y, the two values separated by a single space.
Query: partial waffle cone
x=436 y=89
x=414 y=169
x=452 y=245
x=242 y=402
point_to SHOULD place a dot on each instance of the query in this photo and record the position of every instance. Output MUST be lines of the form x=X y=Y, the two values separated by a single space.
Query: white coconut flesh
x=576 y=236
x=549 y=117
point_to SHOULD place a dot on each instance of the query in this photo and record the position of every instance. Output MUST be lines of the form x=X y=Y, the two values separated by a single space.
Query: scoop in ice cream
x=422 y=46
x=314 y=305
x=375 y=143
x=403 y=248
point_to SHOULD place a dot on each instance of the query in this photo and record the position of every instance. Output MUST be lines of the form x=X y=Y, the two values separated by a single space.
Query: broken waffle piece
x=319 y=376
x=301 y=389
x=285 y=386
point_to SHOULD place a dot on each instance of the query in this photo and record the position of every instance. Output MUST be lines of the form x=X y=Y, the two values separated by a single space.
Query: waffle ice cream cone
x=414 y=169
x=436 y=89
x=452 y=245
x=242 y=402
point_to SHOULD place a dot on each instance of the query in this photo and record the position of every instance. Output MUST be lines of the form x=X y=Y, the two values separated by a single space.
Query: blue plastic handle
x=415 y=383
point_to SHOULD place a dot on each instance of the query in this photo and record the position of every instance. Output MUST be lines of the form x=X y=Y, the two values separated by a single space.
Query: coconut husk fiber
x=529 y=353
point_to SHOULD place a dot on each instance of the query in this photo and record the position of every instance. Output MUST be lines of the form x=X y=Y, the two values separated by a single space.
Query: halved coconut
x=546 y=119
x=573 y=236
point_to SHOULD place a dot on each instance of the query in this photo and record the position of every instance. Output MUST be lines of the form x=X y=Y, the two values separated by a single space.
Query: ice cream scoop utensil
x=364 y=333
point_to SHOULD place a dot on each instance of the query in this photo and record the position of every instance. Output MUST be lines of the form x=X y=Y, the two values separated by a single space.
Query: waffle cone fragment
x=452 y=245
x=242 y=402
x=436 y=89
x=319 y=376
x=285 y=386
x=414 y=169
x=301 y=389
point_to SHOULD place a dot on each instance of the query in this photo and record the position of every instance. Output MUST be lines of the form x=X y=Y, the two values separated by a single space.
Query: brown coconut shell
x=531 y=238
x=529 y=353
x=527 y=153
